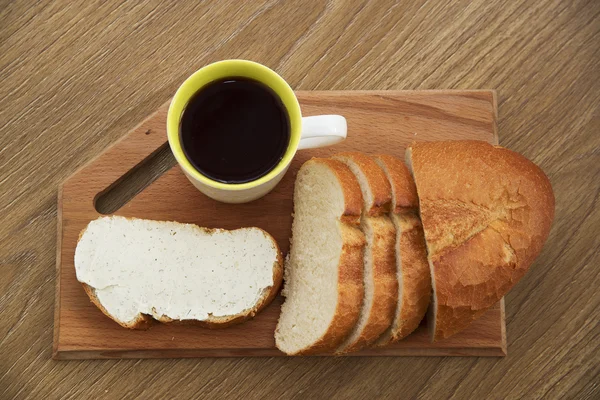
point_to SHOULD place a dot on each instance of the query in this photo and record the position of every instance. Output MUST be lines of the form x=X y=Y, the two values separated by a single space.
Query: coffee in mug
x=235 y=130
x=234 y=127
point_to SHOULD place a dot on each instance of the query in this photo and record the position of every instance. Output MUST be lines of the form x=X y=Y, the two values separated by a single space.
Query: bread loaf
x=135 y=270
x=412 y=268
x=486 y=212
x=323 y=273
x=381 y=284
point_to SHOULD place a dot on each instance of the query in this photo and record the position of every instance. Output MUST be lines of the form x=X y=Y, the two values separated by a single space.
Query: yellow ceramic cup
x=308 y=132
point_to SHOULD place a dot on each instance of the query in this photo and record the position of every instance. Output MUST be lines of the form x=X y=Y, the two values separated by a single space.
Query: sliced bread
x=414 y=289
x=137 y=270
x=486 y=212
x=380 y=282
x=323 y=287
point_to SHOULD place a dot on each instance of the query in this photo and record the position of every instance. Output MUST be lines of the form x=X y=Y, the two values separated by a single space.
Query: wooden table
x=78 y=75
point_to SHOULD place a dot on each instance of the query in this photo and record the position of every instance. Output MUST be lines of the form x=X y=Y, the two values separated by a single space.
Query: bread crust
x=350 y=266
x=404 y=191
x=385 y=285
x=145 y=321
x=378 y=183
x=353 y=200
x=416 y=279
x=414 y=290
x=350 y=293
x=382 y=252
x=486 y=213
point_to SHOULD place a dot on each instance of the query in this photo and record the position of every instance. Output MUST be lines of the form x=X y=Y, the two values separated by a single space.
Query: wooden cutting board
x=378 y=122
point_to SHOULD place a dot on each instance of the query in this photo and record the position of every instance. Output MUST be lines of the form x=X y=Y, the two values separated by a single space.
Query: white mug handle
x=322 y=130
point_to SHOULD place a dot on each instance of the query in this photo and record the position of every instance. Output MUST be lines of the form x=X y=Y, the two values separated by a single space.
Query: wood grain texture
x=378 y=122
x=76 y=75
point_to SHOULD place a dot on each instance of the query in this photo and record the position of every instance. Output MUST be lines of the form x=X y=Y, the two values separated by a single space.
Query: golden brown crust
x=486 y=212
x=145 y=321
x=385 y=284
x=380 y=253
x=350 y=188
x=378 y=183
x=416 y=279
x=404 y=191
x=411 y=253
x=350 y=292
x=350 y=266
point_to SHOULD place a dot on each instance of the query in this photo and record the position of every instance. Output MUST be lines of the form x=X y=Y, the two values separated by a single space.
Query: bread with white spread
x=137 y=271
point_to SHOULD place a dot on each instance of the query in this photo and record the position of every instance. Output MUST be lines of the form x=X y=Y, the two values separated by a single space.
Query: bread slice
x=323 y=273
x=412 y=268
x=381 y=285
x=137 y=270
x=486 y=213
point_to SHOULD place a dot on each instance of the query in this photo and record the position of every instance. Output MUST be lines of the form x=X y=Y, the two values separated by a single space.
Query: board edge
x=65 y=355
x=504 y=342
x=495 y=115
x=57 y=293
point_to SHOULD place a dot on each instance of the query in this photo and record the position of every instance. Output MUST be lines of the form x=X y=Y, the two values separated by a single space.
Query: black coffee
x=235 y=130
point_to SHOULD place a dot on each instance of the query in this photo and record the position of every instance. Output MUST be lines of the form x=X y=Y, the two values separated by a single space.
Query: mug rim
x=224 y=69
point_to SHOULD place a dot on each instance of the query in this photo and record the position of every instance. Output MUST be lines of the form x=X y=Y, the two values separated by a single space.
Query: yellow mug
x=307 y=132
